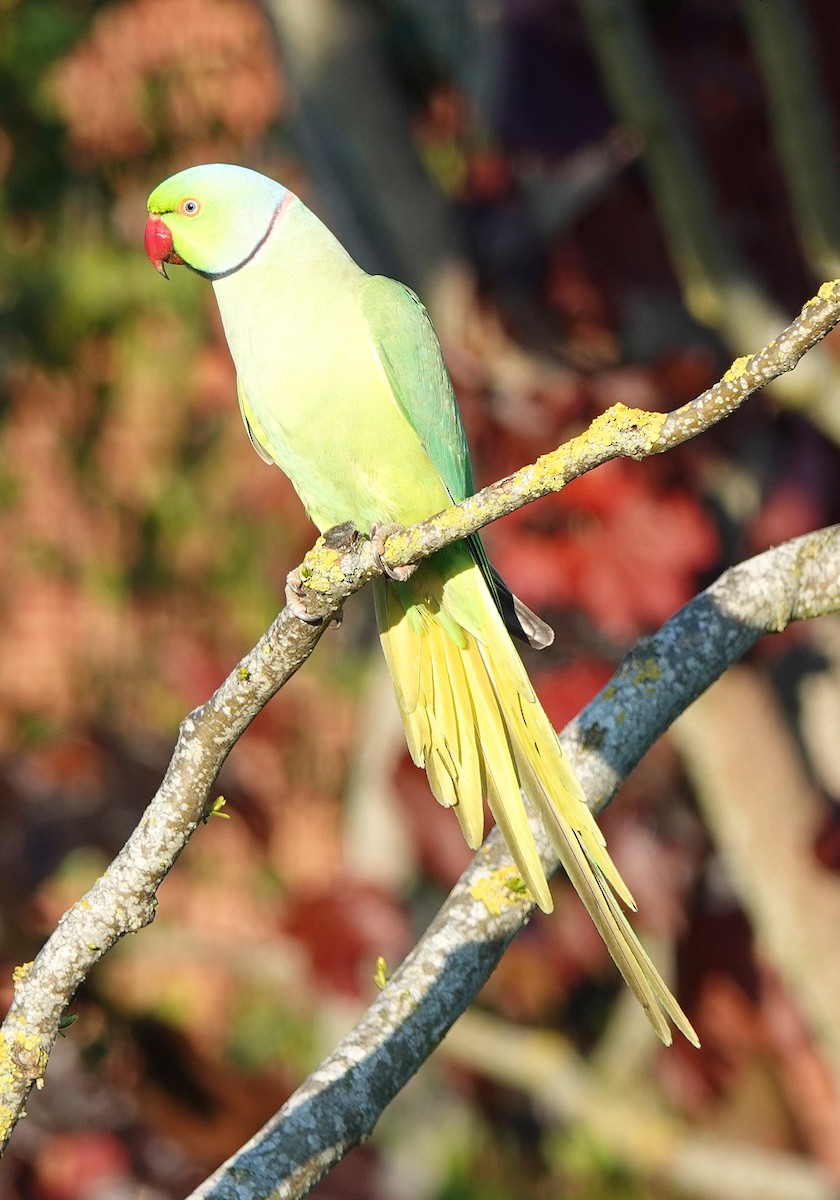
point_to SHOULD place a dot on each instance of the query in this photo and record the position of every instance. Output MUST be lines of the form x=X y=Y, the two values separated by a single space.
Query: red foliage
x=788 y=511
x=626 y=552
x=74 y=1166
x=344 y=929
x=198 y=70
x=564 y=692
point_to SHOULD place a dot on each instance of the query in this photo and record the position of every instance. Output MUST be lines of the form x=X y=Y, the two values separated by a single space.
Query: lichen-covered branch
x=341 y=1101
x=623 y=432
x=123 y=899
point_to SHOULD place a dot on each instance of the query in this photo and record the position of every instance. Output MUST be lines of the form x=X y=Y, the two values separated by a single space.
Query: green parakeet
x=342 y=384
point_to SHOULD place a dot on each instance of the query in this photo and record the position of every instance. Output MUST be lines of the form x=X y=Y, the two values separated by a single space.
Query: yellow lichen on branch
x=500 y=889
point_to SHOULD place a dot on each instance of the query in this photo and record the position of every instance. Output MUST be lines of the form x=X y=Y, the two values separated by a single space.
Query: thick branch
x=341 y=1101
x=123 y=899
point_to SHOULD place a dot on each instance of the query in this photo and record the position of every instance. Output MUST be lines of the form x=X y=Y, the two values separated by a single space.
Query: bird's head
x=211 y=218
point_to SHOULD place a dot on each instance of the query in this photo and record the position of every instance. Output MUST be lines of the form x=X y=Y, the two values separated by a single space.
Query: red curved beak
x=158 y=242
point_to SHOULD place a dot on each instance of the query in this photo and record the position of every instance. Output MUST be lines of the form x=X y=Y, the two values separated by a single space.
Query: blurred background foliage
x=600 y=202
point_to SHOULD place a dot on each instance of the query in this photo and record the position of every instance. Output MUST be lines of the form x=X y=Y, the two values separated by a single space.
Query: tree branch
x=622 y=432
x=123 y=899
x=339 y=1104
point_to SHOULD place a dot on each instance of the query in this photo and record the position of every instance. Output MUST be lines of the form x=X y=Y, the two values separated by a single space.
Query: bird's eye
x=189 y=207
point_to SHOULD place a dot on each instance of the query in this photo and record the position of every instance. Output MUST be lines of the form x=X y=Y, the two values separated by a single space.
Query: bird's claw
x=295 y=589
x=379 y=534
x=338 y=538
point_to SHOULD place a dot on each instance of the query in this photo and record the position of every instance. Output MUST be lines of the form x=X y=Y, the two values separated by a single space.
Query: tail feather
x=558 y=799
x=441 y=779
x=502 y=782
x=472 y=719
x=641 y=964
x=470 y=775
x=406 y=671
x=438 y=718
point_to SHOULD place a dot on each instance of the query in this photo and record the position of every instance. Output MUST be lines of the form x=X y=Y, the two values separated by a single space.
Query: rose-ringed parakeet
x=342 y=384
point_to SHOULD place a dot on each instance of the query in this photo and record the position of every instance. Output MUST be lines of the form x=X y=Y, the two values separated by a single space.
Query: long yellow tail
x=473 y=721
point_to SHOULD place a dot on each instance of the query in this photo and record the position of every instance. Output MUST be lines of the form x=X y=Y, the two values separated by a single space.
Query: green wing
x=255 y=435
x=410 y=353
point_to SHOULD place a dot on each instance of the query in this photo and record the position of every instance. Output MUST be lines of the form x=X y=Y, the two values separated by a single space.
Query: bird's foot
x=340 y=537
x=379 y=534
x=295 y=589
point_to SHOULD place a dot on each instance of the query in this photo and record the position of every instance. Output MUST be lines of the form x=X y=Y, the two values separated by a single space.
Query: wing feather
x=255 y=435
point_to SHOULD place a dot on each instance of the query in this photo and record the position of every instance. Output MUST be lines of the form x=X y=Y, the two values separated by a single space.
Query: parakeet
x=341 y=382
